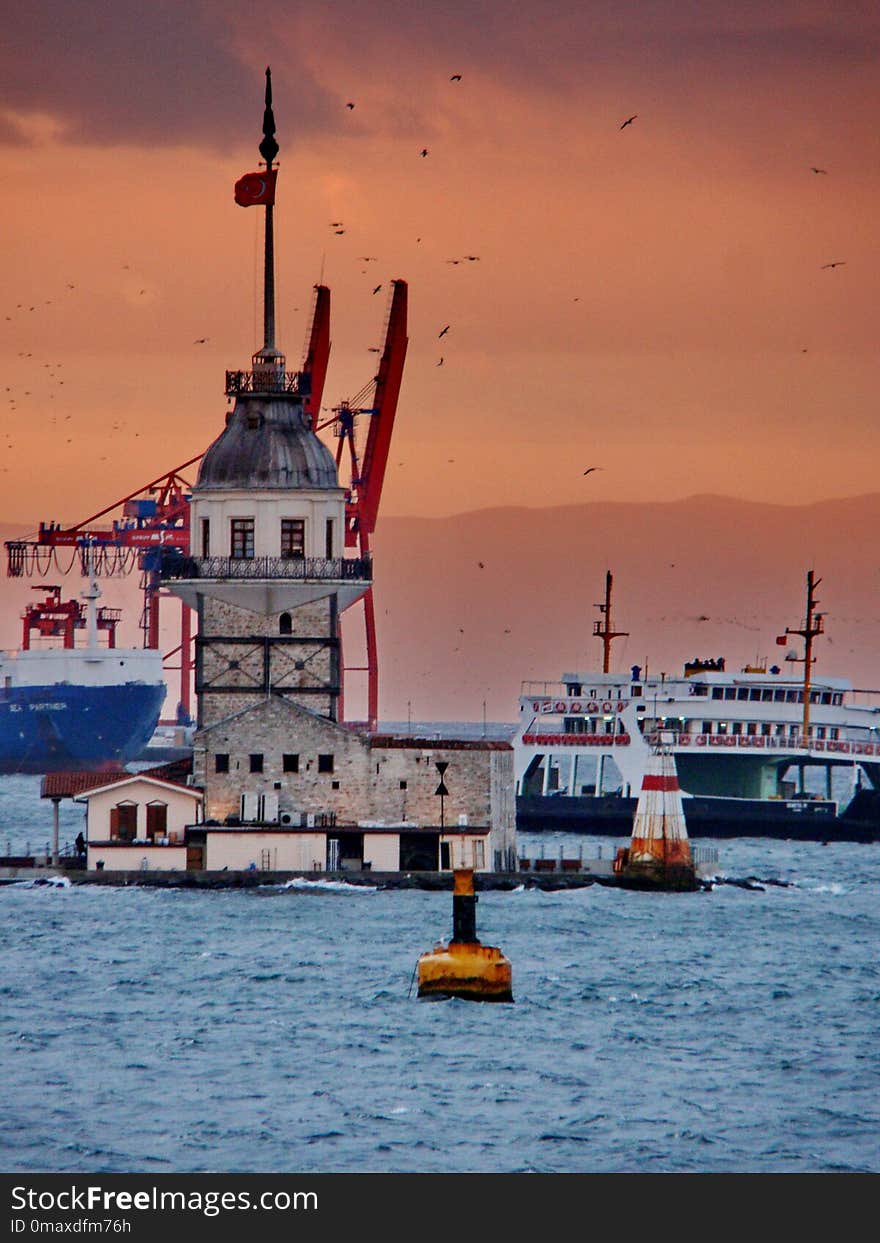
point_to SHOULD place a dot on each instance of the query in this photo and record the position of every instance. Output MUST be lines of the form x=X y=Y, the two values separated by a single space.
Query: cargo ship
x=67 y=706
x=760 y=751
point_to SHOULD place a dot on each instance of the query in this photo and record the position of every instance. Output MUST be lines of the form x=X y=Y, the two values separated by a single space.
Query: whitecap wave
x=328 y=886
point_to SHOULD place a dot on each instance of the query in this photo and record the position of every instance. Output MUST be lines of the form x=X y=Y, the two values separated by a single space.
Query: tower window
x=256 y=763
x=290 y=763
x=221 y=763
x=328 y=539
x=242 y=539
x=325 y=763
x=293 y=537
x=285 y=625
x=206 y=537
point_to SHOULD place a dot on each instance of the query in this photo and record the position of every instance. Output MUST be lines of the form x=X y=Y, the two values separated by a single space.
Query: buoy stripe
x=653 y=781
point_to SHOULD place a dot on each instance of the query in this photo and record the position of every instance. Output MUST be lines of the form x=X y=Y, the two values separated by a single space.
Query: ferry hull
x=795 y=820
x=64 y=727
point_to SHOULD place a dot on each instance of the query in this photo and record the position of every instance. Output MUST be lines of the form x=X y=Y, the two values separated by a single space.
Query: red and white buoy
x=659 y=853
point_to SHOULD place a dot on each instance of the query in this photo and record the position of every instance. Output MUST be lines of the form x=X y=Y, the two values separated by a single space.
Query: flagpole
x=269 y=150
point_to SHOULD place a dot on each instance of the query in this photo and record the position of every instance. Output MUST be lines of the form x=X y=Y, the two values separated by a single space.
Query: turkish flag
x=255 y=189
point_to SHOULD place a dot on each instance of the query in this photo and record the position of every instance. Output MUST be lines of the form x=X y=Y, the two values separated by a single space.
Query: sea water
x=277 y=1029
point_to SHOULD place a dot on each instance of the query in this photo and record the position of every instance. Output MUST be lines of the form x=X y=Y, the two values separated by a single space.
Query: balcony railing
x=267 y=380
x=299 y=569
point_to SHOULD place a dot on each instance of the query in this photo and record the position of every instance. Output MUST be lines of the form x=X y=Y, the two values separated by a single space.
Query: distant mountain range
x=470 y=606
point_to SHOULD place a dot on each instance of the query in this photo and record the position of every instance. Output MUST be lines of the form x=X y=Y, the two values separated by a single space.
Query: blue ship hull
x=63 y=727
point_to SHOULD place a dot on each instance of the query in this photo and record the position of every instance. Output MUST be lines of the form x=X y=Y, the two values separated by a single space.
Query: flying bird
x=443 y=331
x=590 y=469
x=629 y=121
x=481 y=565
x=201 y=340
x=349 y=105
x=339 y=232
x=440 y=364
x=818 y=170
x=837 y=264
x=456 y=77
x=423 y=152
x=376 y=290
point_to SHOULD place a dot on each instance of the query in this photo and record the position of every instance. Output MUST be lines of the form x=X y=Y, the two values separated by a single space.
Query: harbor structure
x=464 y=968
x=659 y=853
x=286 y=781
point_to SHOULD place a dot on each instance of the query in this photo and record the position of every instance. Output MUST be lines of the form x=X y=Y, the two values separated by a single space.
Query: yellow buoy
x=465 y=968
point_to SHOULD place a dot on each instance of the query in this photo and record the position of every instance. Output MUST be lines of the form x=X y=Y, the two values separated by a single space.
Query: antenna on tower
x=813 y=625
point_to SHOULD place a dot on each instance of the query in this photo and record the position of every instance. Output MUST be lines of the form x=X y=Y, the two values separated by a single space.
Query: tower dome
x=268 y=443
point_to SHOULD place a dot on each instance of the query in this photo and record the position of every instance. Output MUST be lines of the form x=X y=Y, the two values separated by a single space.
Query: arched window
x=157 y=820
x=285 y=625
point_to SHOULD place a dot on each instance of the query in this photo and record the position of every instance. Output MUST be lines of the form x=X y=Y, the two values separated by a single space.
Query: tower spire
x=269 y=150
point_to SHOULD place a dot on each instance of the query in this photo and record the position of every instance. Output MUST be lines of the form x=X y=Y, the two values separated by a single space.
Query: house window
x=325 y=763
x=293 y=538
x=334 y=785
x=290 y=763
x=242 y=539
x=479 y=854
x=221 y=763
x=123 y=822
x=256 y=763
x=403 y=785
x=206 y=537
x=328 y=539
x=157 y=820
x=285 y=624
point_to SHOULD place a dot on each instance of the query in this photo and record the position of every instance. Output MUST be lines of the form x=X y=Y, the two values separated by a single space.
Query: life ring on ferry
x=684 y=740
x=606 y=707
x=576 y=706
x=559 y=706
x=701 y=740
x=592 y=707
x=620 y=705
x=869 y=748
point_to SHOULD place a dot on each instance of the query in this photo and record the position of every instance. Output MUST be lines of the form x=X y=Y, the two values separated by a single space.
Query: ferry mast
x=603 y=629
x=813 y=626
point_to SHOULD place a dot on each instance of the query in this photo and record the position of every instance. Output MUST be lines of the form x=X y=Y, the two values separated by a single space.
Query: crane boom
x=317 y=353
x=390 y=375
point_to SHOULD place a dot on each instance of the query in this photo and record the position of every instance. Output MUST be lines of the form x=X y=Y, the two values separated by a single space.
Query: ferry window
x=242 y=539
x=700 y=689
x=722 y=727
x=707 y=727
x=767 y=695
x=751 y=729
x=325 y=763
x=290 y=763
x=800 y=697
x=755 y=695
x=765 y=728
x=206 y=537
x=285 y=624
x=791 y=697
x=779 y=697
x=835 y=732
x=717 y=692
x=826 y=698
x=793 y=731
x=635 y=692
x=779 y=730
x=256 y=763
x=737 y=727
x=820 y=731
x=157 y=820
x=293 y=538
x=573 y=688
x=729 y=693
x=221 y=763
x=837 y=699
x=814 y=697
x=742 y=693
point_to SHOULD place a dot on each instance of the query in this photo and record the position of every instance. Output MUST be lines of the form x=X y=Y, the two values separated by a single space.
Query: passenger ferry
x=760 y=751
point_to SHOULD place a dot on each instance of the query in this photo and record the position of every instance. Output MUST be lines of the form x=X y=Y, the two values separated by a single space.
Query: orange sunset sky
x=652 y=300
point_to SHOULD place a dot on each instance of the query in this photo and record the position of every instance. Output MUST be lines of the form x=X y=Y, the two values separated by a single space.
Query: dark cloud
x=190 y=71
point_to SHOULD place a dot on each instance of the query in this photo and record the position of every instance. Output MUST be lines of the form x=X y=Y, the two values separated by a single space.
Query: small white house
x=138 y=822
